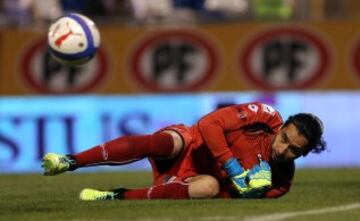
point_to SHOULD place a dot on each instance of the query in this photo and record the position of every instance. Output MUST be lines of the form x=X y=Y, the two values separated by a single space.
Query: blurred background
x=164 y=62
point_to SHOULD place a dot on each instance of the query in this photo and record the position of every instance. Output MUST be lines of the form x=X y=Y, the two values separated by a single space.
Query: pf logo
x=42 y=74
x=284 y=58
x=172 y=61
x=354 y=58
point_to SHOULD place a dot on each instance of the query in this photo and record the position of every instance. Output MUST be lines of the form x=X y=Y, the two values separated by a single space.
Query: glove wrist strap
x=233 y=167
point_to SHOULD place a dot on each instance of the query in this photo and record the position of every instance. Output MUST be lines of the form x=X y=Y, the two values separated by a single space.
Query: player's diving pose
x=240 y=151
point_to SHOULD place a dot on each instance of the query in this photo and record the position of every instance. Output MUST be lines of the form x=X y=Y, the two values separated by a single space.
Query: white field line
x=287 y=215
x=217 y=218
x=266 y=217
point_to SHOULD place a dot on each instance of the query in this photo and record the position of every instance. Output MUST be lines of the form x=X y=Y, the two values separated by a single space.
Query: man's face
x=288 y=144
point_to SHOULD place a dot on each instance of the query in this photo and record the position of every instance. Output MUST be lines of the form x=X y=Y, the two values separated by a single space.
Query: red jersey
x=241 y=131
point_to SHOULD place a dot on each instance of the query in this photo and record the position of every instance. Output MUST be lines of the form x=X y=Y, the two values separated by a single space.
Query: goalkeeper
x=240 y=151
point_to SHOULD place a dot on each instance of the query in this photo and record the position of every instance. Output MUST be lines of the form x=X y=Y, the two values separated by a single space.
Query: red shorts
x=181 y=166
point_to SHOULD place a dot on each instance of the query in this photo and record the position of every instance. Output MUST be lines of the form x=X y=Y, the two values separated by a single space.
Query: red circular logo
x=284 y=58
x=173 y=61
x=355 y=58
x=45 y=75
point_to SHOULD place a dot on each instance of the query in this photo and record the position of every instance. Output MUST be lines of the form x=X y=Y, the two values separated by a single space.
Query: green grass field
x=37 y=198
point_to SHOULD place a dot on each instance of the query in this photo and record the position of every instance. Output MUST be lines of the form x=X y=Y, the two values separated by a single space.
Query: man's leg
x=198 y=187
x=165 y=145
x=203 y=186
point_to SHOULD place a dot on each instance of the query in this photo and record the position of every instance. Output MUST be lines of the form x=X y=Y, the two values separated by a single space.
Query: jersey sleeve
x=277 y=192
x=215 y=125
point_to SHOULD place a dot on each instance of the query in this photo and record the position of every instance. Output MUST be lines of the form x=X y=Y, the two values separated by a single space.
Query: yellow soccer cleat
x=93 y=195
x=55 y=164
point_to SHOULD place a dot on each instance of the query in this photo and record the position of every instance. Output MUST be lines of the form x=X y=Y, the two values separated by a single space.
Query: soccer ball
x=73 y=39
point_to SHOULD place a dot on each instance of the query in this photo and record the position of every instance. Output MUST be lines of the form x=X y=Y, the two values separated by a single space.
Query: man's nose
x=282 y=148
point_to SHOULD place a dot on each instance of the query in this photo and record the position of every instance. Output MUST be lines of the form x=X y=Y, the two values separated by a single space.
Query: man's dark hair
x=311 y=127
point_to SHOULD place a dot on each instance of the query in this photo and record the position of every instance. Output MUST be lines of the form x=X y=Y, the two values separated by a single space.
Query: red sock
x=173 y=190
x=126 y=149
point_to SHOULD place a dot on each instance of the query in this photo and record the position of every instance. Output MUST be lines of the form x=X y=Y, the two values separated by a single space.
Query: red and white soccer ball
x=73 y=39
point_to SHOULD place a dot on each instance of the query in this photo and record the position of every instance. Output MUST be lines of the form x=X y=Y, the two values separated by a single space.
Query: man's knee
x=203 y=186
x=178 y=143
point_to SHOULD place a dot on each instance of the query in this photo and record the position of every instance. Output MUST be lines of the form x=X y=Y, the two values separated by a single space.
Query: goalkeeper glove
x=237 y=174
x=260 y=176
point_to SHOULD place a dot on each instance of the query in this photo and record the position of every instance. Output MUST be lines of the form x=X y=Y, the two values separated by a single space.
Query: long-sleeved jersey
x=241 y=131
x=222 y=129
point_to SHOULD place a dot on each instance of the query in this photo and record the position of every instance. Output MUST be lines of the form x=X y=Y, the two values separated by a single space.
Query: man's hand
x=240 y=182
x=237 y=175
x=259 y=180
x=251 y=183
x=260 y=176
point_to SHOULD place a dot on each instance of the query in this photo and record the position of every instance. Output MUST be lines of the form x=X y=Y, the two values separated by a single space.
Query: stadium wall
x=207 y=57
